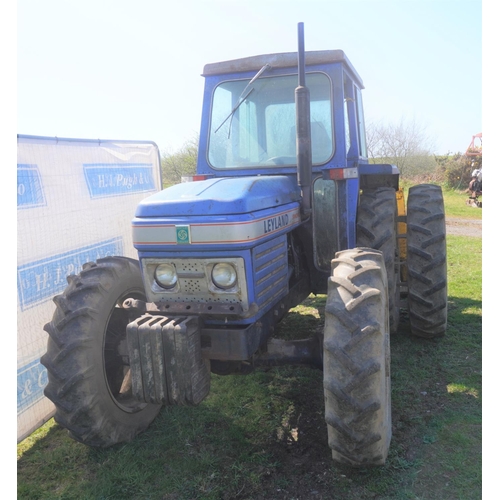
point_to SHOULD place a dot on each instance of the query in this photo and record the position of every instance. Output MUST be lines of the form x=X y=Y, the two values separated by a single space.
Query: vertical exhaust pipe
x=303 y=129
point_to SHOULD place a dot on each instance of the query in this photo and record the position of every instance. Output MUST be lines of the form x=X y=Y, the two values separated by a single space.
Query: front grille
x=270 y=265
x=194 y=283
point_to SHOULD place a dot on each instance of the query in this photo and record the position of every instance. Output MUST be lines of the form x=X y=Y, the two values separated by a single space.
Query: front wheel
x=87 y=356
x=356 y=359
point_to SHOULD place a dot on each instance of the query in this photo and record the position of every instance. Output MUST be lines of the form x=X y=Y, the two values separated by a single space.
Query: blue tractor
x=284 y=204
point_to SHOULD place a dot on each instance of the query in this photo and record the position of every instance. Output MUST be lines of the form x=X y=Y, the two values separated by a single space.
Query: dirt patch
x=465 y=227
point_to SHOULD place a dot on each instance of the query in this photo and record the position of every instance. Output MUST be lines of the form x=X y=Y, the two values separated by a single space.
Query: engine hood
x=222 y=196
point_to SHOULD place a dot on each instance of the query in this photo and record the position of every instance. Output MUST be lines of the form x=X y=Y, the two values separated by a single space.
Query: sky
x=122 y=69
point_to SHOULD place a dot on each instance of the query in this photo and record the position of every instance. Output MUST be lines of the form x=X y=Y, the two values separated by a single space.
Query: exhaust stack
x=303 y=129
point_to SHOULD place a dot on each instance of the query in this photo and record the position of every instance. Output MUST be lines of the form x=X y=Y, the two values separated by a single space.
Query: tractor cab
x=249 y=115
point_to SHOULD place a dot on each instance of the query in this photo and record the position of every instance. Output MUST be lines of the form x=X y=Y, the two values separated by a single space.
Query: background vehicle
x=285 y=205
x=475 y=153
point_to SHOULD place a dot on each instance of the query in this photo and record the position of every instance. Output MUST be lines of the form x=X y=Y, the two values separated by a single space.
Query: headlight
x=166 y=276
x=224 y=275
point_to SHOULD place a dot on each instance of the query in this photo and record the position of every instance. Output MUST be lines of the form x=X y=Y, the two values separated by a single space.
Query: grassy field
x=263 y=436
x=456 y=207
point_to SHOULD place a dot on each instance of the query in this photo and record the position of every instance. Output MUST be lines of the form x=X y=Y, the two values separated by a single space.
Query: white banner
x=75 y=202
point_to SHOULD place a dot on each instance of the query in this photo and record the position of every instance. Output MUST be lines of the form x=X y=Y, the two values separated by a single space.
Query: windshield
x=261 y=131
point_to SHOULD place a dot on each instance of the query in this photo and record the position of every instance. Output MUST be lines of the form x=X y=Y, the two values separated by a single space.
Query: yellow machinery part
x=401 y=228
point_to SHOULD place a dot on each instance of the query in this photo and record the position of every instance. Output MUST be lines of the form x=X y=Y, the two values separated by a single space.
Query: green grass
x=263 y=436
x=455 y=205
x=438 y=384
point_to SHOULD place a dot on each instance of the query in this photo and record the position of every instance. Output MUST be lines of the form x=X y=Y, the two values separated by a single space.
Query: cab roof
x=280 y=60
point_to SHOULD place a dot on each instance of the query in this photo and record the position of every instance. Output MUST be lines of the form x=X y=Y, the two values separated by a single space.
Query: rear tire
x=87 y=356
x=376 y=228
x=356 y=359
x=426 y=261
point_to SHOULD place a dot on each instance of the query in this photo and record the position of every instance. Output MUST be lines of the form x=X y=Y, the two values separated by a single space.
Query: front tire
x=87 y=356
x=426 y=261
x=356 y=359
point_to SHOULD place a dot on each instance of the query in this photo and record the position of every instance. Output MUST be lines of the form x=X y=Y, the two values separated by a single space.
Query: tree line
x=175 y=165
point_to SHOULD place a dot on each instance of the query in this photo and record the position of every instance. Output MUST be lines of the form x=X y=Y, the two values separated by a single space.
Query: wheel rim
x=115 y=356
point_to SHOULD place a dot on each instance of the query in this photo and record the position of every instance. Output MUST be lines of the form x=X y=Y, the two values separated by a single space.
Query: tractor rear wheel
x=376 y=228
x=426 y=261
x=87 y=356
x=356 y=359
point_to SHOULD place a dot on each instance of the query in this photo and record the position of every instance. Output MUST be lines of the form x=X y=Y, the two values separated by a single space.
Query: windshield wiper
x=244 y=95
